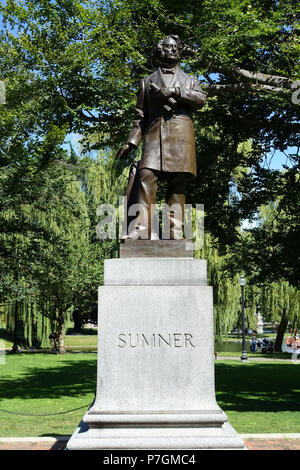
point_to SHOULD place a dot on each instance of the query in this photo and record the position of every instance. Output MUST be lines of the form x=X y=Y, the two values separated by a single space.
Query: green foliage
x=74 y=66
x=279 y=296
x=52 y=260
x=275 y=238
x=32 y=328
x=226 y=291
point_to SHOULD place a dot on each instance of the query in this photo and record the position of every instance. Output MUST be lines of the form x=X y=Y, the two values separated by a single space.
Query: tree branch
x=214 y=89
x=263 y=78
x=255 y=81
x=92 y=118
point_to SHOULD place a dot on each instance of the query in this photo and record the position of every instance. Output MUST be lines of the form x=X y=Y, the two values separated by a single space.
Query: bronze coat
x=169 y=143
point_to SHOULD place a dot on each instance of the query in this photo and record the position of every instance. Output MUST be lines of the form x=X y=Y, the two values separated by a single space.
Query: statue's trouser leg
x=176 y=199
x=146 y=197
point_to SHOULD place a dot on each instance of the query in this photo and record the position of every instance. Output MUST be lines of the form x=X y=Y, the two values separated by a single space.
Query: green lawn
x=259 y=397
x=5 y=343
x=276 y=355
x=72 y=342
x=42 y=383
x=81 y=342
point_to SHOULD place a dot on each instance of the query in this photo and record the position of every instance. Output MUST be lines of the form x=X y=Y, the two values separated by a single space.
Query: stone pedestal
x=156 y=249
x=155 y=386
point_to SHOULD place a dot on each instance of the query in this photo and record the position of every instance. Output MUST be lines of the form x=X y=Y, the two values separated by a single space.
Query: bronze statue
x=165 y=101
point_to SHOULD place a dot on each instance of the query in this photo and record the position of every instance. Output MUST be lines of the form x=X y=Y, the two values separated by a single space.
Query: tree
x=226 y=290
x=24 y=231
x=68 y=266
x=274 y=237
x=74 y=66
x=280 y=302
x=81 y=63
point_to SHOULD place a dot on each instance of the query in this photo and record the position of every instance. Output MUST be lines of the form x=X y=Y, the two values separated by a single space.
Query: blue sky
x=278 y=159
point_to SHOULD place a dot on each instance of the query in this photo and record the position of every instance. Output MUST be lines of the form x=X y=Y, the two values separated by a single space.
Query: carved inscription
x=156 y=340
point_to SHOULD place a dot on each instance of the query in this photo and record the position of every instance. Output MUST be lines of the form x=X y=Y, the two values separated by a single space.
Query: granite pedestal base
x=155 y=387
x=156 y=249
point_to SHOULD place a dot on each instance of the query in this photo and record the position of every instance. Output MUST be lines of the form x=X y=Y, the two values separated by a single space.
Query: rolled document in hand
x=171 y=101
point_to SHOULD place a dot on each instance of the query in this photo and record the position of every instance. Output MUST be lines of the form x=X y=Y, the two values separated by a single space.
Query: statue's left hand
x=124 y=151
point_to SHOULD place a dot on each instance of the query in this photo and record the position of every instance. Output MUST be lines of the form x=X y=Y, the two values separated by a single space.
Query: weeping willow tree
x=75 y=261
x=24 y=322
x=226 y=290
x=280 y=302
x=102 y=180
x=105 y=182
x=63 y=274
x=45 y=256
x=106 y=178
x=51 y=259
x=32 y=328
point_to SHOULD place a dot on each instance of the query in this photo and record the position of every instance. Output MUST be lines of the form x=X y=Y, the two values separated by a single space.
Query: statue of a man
x=165 y=102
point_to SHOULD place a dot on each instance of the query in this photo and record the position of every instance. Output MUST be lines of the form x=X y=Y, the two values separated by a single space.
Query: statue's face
x=170 y=50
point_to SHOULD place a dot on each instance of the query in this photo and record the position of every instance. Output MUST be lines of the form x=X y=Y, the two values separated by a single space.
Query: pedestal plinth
x=155 y=387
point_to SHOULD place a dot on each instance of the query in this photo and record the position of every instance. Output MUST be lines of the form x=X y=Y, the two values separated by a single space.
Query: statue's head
x=169 y=49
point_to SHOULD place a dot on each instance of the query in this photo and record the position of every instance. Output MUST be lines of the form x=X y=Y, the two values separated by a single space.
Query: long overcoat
x=169 y=143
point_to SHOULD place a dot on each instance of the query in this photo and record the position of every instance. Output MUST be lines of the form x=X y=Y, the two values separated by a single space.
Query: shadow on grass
x=258 y=387
x=63 y=378
x=239 y=387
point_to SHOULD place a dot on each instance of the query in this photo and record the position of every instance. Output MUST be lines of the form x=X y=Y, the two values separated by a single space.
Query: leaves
x=74 y=66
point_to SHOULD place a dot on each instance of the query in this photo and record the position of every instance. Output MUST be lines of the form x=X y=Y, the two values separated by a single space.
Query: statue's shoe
x=135 y=235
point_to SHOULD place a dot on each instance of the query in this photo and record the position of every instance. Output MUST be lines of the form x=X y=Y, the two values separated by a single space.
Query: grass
x=81 y=342
x=259 y=397
x=72 y=342
x=41 y=383
x=276 y=355
x=5 y=344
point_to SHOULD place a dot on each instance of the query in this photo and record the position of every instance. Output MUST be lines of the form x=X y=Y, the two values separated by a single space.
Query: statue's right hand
x=123 y=152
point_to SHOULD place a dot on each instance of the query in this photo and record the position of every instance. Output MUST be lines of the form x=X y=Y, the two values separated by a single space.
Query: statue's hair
x=159 y=51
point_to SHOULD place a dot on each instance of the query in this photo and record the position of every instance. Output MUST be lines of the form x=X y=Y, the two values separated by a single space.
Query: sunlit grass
x=258 y=397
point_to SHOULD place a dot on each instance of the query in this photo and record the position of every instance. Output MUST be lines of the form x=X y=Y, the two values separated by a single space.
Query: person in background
x=253 y=342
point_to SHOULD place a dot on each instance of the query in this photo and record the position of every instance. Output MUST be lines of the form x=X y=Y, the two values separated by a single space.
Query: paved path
x=252 y=441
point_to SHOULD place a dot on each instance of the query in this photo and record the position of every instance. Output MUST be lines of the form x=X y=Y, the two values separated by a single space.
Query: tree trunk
x=281 y=330
x=15 y=345
x=61 y=334
x=77 y=321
